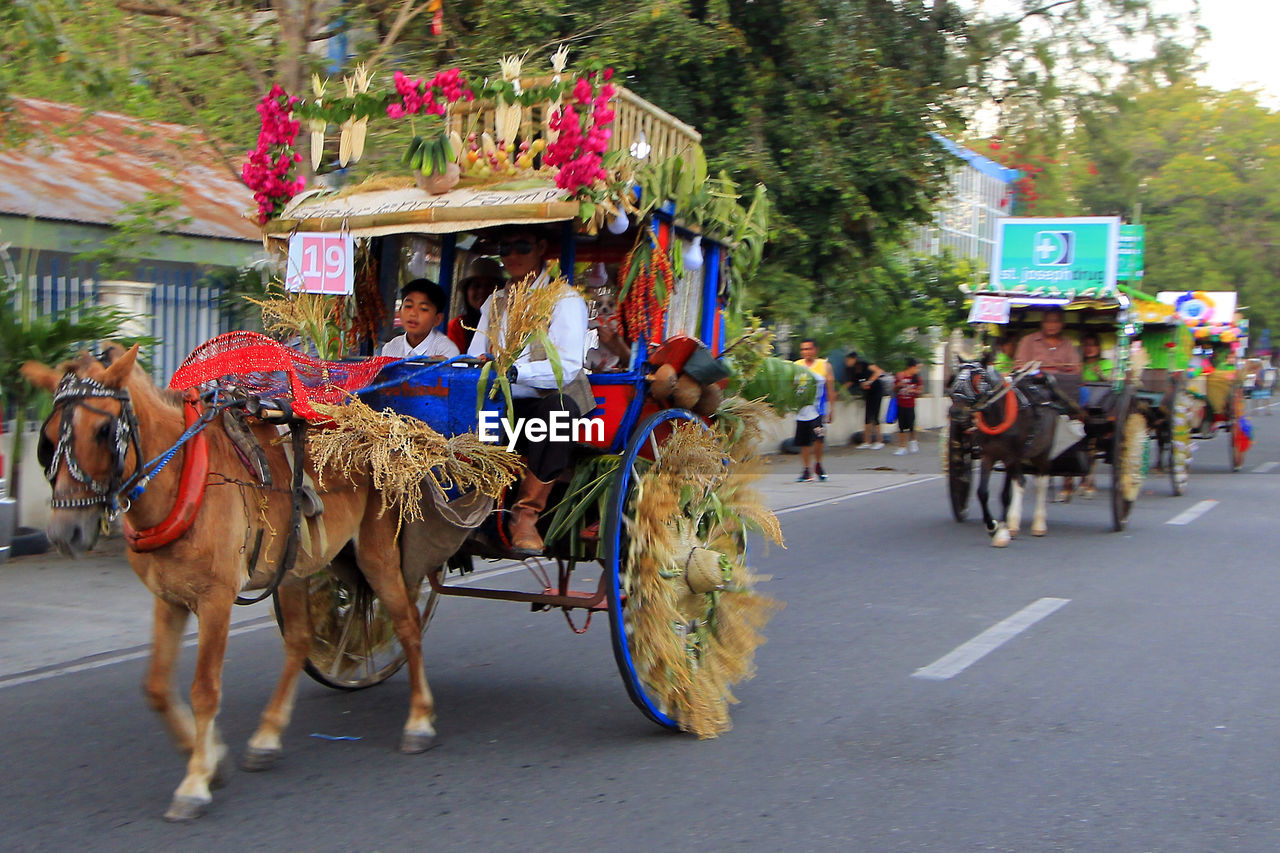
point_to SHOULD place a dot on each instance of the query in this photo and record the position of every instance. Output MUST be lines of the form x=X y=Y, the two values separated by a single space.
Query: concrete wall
x=931 y=412
x=33 y=503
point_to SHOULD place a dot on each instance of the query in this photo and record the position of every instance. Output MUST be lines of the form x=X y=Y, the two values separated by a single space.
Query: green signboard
x=1073 y=257
x=1132 y=243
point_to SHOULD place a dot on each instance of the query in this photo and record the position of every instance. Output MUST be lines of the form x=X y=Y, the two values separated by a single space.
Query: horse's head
x=974 y=381
x=88 y=442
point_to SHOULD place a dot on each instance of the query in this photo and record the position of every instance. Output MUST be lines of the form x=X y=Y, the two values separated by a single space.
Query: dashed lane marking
x=964 y=656
x=1190 y=515
x=851 y=495
x=1265 y=467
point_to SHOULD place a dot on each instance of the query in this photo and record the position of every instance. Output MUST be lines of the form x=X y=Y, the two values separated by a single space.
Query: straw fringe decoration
x=401 y=453
x=691 y=647
x=527 y=313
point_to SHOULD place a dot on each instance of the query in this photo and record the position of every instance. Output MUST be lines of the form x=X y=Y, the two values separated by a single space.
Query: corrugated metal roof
x=85 y=167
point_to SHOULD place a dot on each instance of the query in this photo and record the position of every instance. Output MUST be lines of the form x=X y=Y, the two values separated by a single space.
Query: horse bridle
x=72 y=392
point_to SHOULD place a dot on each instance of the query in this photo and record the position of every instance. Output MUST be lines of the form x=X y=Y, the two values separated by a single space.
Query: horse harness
x=117 y=494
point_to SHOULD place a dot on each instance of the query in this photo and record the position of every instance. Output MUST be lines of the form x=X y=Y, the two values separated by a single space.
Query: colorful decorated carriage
x=1166 y=349
x=1216 y=378
x=1112 y=420
x=655 y=497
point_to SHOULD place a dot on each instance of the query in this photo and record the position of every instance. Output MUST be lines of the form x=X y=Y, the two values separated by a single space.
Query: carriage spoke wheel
x=1128 y=460
x=667 y=598
x=959 y=462
x=354 y=643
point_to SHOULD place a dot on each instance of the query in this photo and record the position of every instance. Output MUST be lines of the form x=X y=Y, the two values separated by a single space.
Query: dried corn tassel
x=317 y=126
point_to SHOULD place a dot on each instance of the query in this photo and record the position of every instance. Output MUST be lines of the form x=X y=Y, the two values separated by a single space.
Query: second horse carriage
x=1108 y=418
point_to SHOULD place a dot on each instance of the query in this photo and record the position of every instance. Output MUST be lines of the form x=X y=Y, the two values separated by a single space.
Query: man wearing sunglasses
x=534 y=391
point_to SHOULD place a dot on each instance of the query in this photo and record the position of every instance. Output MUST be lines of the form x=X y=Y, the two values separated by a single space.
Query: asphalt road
x=1126 y=701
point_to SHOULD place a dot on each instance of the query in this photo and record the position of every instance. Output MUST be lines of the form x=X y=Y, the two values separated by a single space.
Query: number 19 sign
x=321 y=263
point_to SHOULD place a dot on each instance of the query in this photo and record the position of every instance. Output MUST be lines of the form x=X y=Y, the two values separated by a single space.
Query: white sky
x=1242 y=48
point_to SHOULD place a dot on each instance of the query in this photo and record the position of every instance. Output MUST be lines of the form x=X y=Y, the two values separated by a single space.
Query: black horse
x=1013 y=421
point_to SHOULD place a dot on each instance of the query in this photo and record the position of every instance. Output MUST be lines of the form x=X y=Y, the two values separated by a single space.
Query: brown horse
x=1014 y=425
x=203 y=570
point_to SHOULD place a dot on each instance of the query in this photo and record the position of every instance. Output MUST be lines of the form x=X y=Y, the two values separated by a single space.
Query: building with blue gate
x=82 y=185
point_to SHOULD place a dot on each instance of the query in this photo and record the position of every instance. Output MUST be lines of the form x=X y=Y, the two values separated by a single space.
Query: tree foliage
x=829 y=103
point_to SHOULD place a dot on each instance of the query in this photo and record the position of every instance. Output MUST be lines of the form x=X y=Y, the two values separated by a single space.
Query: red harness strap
x=195 y=474
x=1010 y=413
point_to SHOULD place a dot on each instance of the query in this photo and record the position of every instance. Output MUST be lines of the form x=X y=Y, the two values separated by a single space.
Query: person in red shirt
x=907 y=386
x=483 y=277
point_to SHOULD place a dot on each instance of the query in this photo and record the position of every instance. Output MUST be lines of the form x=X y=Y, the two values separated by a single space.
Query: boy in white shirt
x=421 y=308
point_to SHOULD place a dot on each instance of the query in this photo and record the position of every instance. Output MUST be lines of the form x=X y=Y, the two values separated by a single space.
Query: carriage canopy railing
x=646 y=131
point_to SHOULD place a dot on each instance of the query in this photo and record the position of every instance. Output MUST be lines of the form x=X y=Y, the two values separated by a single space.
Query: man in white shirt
x=421 y=307
x=534 y=391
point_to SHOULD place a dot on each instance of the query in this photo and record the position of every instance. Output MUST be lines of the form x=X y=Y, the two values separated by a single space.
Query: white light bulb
x=693 y=255
x=620 y=223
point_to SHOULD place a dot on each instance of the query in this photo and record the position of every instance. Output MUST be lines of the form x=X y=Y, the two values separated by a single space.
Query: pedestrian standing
x=865 y=377
x=811 y=421
x=907 y=386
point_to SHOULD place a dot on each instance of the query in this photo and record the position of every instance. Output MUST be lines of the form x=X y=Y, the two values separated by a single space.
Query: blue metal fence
x=184 y=314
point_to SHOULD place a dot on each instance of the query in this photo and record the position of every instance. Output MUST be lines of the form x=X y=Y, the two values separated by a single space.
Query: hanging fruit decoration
x=644 y=299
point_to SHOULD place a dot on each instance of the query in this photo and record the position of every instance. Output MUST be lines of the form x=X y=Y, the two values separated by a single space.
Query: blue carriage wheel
x=623 y=490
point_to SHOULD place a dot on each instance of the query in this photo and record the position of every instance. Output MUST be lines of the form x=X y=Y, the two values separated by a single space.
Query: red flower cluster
x=267 y=170
x=447 y=87
x=583 y=125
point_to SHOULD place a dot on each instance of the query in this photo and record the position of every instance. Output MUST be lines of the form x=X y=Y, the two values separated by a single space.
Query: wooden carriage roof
x=379 y=212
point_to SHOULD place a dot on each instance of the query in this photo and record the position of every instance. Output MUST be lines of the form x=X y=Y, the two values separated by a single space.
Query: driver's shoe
x=522 y=528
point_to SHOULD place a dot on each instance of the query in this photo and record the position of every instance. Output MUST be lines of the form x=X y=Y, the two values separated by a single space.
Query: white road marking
x=1265 y=467
x=956 y=661
x=842 y=498
x=1190 y=515
x=111 y=660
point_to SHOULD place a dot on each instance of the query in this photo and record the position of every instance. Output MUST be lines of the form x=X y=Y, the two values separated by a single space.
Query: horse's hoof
x=1039 y=531
x=1013 y=532
x=1000 y=540
x=185 y=808
x=412 y=743
x=256 y=759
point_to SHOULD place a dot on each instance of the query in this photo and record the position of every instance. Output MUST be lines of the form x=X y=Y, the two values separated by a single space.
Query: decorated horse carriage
x=387 y=457
x=1166 y=350
x=1109 y=421
x=1215 y=374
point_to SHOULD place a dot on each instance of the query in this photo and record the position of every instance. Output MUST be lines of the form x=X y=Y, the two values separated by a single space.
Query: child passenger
x=421 y=307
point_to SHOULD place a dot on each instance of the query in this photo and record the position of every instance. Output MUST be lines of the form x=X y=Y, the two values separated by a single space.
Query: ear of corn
x=360 y=126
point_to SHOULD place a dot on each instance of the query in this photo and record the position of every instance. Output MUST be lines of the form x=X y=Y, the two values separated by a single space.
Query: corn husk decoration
x=506 y=117
x=459 y=150
x=351 y=143
x=348 y=126
x=317 y=126
x=559 y=61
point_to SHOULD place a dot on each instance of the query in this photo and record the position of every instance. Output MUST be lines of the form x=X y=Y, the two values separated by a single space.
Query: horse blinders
x=118 y=434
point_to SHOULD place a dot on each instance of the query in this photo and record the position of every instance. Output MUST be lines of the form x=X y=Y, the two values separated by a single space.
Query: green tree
x=1203 y=170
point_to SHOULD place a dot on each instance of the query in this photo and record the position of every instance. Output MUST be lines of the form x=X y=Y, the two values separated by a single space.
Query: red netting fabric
x=256 y=364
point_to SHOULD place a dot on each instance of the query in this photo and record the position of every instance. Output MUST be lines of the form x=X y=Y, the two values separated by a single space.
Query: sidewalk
x=55 y=610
